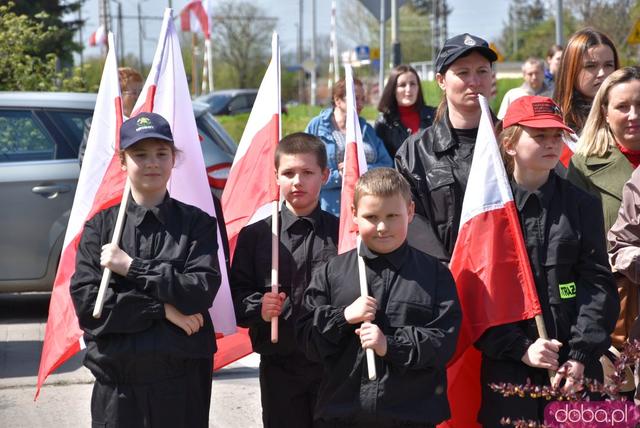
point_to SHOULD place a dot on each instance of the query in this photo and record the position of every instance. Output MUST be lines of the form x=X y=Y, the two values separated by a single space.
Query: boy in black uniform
x=152 y=349
x=410 y=319
x=308 y=237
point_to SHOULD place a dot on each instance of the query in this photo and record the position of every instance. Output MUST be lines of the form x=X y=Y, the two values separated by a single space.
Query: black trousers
x=288 y=388
x=175 y=401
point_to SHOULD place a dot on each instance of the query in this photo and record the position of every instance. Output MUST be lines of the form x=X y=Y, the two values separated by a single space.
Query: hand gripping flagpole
x=275 y=238
x=362 y=276
x=117 y=232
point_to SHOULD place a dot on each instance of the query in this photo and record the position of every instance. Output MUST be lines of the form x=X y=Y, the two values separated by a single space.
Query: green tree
x=25 y=65
x=60 y=40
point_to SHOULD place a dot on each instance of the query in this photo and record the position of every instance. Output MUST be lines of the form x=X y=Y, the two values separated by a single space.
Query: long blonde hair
x=597 y=137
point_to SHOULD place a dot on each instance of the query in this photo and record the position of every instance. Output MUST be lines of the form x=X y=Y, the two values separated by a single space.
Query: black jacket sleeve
x=191 y=284
x=597 y=298
x=322 y=329
x=126 y=310
x=247 y=286
x=504 y=342
x=432 y=344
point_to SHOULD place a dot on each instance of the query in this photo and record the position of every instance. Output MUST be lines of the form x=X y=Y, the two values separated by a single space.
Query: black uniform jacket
x=577 y=293
x=251 y=275
x=393 y=133
x=437 y=172
x=174 y=250
x=418 y=312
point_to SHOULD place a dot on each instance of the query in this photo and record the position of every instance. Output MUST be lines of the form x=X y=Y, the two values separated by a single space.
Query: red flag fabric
x=100 y=186
x=98 y=37
x=196 y=8
x=569 y=149
x=491 y=268
x=251 y=186
x=355 y=164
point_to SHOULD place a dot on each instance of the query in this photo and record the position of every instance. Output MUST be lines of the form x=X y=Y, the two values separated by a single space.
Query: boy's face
x=383 y=221
x=148 y=164
x=300 y=179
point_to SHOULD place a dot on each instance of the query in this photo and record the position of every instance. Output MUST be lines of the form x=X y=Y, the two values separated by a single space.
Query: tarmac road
x=64 y=400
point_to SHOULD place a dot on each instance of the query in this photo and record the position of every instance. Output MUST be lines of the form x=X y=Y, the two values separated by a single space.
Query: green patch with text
x=568 y=290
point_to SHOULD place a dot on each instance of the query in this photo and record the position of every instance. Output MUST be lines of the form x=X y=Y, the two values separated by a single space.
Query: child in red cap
x=564 y=237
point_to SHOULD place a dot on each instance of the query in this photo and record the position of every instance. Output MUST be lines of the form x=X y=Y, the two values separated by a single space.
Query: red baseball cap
x=534 y=111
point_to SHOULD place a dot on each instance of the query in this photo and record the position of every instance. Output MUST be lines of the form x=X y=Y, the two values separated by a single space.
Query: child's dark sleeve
x=125 y=311
x=432 y=344
x=191 y=284
x=322 y=329
x=504 y=342
x=247 y=287
x=597 y=299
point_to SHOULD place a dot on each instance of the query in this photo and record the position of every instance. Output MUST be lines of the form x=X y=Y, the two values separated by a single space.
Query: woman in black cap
x=436 y=161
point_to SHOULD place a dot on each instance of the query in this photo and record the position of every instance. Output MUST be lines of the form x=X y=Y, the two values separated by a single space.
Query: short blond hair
x=381 y=182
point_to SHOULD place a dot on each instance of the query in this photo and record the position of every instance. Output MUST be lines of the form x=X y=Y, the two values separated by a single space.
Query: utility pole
x=396 y=52
x=81 y=37
x=120 y=34
x=140 y=47
x=314 y=72
x=559 y=23
x=445 y=19
x=334 y=72
x=382 y=37
x=301 y=73
x=435 y=33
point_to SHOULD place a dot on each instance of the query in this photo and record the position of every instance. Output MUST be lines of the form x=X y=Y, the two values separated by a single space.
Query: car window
x=217 y=103
x=239 y=102
x=22 y=138
x=70 y=124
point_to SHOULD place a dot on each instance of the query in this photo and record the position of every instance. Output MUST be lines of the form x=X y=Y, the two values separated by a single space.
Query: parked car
x=39 y=138
x=230 y=101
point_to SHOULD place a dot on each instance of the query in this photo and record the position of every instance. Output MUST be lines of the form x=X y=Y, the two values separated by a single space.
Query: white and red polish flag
x=166 y=92
x=100 y=186
x=200 y=11
x=98 y=37
x=491 y=268
x=355 y=164
x=251 y=188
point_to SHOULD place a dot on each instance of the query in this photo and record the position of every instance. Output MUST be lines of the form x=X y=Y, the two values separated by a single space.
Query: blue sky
x=484 y=18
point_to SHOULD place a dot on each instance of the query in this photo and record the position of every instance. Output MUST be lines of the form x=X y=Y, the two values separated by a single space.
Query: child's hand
x=272 y=305
x=572 y=371
x=363 y=309
x=543 y=354
x=371 y=337
x=189 y=323
x=116 y=260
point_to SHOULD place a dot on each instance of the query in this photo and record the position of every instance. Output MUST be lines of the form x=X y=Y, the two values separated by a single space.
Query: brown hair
x=299 y=143
x=570 y=66
x=506 y=139
x=381 y=182
x=128 y=74
x=173 y=148
x=553 y=49
x=339 y=90
x=388 y=102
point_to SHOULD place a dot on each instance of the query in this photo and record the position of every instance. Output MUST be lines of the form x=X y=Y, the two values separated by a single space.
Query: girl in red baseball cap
x=564 y=237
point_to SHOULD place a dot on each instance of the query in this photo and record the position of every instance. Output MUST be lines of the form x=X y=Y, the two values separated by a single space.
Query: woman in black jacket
x=402 y=108
x=436 y=161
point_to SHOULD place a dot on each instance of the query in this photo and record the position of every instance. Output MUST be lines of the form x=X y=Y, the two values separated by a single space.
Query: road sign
x=634 y=37
x=373 y=6
x=498 y=53
x=362 y=52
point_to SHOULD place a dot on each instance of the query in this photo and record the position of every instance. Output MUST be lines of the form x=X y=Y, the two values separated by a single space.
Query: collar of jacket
x=396 y=258
x=609 y=171
x=440 y=134
x=138 y=213
x=288 y=218
x=426 y=114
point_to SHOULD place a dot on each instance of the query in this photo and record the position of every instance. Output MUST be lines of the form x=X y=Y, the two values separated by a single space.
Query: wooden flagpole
x=364 y=292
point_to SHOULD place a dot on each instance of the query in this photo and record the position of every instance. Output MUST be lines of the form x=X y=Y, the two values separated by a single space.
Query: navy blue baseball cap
x=144 y=126
x=460 y=46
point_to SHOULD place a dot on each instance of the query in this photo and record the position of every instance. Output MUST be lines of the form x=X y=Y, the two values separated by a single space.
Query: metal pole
x=140 y=47
x=314 y=73
x=81 y=37
x=334 y=72
x=559 y=22
x=120 y=34
x=396 y=52
x=382 y=36
x=301 y=73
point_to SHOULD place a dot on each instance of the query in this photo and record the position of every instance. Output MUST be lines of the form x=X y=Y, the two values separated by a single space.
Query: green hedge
x=298 y=116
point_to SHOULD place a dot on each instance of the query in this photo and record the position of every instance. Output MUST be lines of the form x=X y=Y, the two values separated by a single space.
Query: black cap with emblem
x=462 y=45
x=144 y=126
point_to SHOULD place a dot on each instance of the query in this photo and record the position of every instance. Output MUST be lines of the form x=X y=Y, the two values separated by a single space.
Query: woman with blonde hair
x=608 y=151
x=590 y=56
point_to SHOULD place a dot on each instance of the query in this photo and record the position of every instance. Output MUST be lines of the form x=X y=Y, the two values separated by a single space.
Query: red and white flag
x=355 y=164
x=100 y=186
x=569 y=148
x=491 y=268
x=166 y=92
x=202 y=14
x=98 y=37
x=251 y=185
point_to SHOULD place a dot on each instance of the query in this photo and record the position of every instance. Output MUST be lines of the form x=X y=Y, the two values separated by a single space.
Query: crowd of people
x=151 y=351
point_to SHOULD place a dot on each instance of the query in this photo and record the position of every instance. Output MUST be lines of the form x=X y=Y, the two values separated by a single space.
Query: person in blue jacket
x=331 y=127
